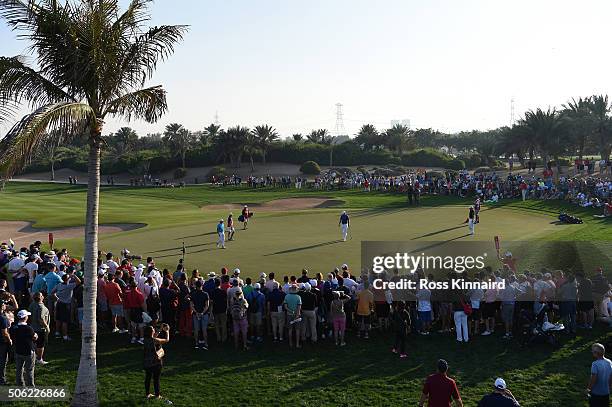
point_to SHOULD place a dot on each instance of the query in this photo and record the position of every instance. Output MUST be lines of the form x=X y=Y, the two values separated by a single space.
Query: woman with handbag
x=153 y=356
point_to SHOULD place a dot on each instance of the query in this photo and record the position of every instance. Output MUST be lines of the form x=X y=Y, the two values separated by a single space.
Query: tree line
x=581 y=127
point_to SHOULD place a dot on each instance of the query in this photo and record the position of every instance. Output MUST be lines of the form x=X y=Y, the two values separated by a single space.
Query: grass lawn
x=363 y=373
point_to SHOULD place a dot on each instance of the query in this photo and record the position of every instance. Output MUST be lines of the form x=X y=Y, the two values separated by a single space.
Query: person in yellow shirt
x=365 y=305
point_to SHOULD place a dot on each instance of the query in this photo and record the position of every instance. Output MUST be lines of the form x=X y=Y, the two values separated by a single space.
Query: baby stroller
x=536 y=329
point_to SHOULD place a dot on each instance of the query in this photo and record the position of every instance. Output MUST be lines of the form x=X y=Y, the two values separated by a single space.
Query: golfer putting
x=344 y=223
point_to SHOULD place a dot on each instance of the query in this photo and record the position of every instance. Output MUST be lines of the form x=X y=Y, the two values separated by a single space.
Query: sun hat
x=500 y=383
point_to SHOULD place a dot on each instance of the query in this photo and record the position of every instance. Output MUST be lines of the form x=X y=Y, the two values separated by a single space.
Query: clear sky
x=447 y=64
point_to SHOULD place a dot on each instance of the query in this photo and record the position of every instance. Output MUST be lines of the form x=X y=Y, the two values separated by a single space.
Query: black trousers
x=599 y=401
x=152 y=372
x=4 y=355
x=400 y=342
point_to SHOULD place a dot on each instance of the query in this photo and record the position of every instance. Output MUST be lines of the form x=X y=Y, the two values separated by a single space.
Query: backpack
x=238 y=311
x=253 y=303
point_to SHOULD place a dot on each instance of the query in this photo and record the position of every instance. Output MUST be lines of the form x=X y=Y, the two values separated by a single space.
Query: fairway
x=284 y=241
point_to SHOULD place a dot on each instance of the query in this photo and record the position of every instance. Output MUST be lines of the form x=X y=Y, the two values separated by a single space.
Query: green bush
x=310 y=168
x=217 y=172
x=428 y=157
x=180 y=173
x=471 y=160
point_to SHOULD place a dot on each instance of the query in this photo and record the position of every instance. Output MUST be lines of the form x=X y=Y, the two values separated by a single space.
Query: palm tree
x=368 y=137
x=398 y=138
x=181 y=140
x=549 y=130
x=91 y=61
x=297 y=137
x=578 y=115
x=252 y=146
x=320 y=136
x=125 y=139
x=235 y=141
x=265 y=135
x=599 y=107
x=211 y=133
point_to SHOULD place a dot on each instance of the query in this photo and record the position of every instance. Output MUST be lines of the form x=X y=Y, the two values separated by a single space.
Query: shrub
x=310 y=168
x=216 y=172
x=180 y=173
x=428 y=157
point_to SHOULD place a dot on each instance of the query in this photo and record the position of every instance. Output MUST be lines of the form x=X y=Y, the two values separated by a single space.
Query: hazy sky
x=447 y=64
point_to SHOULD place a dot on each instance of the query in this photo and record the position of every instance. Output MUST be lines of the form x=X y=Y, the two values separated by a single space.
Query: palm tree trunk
x=183 y=158
x=252 y=164
x=52 y=170
x=263 y=157
x=85 y=393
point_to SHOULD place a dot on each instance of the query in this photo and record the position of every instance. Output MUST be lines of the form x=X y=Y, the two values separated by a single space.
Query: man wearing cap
x=309 y=312
x=439 y=389
x=501 y=396
x=221 y=233
x=200 y=315
x=24 y=337
x=5 y=341
x=63 y=293
x=52 y=278
x=344 y=224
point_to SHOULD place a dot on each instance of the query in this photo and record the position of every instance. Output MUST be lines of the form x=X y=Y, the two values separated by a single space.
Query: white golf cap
x=236 y=271
x=212 y=274
x=263 y=275
x=23 y=313
x=345 y=266
x=500 y=383
x=257 y=286
x=508 y=254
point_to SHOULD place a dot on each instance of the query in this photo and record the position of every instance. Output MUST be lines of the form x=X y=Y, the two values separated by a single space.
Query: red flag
x=51 y=240
x=497 y=243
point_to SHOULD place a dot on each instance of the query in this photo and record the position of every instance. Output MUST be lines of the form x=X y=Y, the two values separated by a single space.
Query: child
x=401 y=321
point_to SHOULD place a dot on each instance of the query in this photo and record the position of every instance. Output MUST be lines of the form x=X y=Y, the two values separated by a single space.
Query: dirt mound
x=285 y=204
x=23 y=233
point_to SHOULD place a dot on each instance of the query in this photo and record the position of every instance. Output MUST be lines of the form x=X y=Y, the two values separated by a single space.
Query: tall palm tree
x=265 y=135
x=125 y=140
x=368 y=137
x=92 y=60
x=600 y=108
x=231 y=144
x=550 y=132
x=398 y=138
x=578 y=114
x=252 y=146
x=211 y=133
x=181 y=140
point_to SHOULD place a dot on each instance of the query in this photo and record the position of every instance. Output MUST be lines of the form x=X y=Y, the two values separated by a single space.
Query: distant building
x=403 y=122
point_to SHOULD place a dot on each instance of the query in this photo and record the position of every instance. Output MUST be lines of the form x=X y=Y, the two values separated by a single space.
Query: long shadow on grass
x=298 y=249
x=179 y=248
x=438 y=232
x=200 y=235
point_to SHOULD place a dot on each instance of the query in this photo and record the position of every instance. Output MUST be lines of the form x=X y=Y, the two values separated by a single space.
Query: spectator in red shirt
x=134 y=304
x=439 y=389
x=114 y=298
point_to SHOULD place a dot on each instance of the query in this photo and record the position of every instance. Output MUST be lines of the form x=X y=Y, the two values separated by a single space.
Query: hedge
x=428 y=157
x=310 y=168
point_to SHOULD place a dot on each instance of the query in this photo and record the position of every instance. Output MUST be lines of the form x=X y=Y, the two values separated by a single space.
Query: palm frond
x=148 y=104
x=19 y=15
x=142 y=56
x=20 y=83
x=23 y=139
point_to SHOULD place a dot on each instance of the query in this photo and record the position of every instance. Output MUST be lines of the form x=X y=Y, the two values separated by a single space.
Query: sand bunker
x=287 y=204
x=23 y=233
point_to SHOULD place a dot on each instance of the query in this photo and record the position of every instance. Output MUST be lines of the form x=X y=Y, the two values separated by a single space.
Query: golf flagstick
x=183 y=251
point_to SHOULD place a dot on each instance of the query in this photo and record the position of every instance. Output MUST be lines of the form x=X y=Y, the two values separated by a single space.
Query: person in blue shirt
x=598 y=388
x=221 y=233
x=344 y=224
x=52 y=278
x=257 y=304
